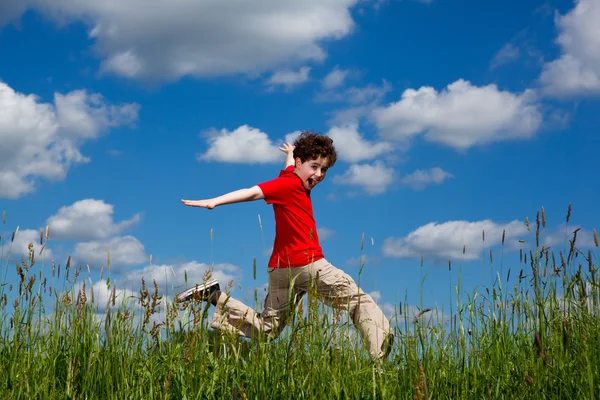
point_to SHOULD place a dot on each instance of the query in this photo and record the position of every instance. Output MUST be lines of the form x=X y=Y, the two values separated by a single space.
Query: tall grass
x=537 y=339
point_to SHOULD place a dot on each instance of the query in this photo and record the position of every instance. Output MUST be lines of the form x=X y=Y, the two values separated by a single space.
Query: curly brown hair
x=310 y=146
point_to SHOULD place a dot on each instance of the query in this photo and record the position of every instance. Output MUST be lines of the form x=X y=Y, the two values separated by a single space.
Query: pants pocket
x=334 y=282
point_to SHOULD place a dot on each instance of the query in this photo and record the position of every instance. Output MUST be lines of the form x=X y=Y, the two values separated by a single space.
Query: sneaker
x=199 y=292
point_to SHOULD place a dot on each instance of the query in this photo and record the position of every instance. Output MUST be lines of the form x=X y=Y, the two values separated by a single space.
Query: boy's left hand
x=199 y=203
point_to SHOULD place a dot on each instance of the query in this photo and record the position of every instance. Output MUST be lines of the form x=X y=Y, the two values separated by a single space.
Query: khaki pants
x=336 y=288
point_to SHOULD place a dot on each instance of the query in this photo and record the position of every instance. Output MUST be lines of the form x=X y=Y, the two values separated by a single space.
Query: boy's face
x=312 y=171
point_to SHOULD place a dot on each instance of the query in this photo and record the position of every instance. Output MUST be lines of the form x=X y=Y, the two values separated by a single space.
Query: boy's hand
x=208 y=204
x=287 y=148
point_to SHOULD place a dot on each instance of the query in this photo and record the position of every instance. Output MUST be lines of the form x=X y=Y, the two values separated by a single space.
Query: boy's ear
x=298 y=162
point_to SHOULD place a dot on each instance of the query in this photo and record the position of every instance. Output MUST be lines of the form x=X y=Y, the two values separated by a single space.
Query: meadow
x=532 y=335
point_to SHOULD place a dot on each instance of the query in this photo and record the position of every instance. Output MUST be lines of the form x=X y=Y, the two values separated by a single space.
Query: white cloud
x=335 y=78
x=359 y=101
x=245 y=145
x=355 y=96
x=88 y=219
x=325 y=233
x=561 y=236
x=358 y=262
x=445 y=241
x=352 y=147
x=173 y=276
x=103 y=294
x=288 y=78
x=292 y=136
x=577 y=71
x=507 y=54
x=10 y=9
x=373 y=178
x=569 y=76
x=369 y=94
x=43 y=140
x=20 y=246
x=124 y=251
x=460 y=116
x=82 y=115
x=376 y=295
x=168 y=40
x=421 y=178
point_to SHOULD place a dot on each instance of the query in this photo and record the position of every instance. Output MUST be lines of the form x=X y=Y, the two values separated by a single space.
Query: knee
x=361 y=300
x=271 y=328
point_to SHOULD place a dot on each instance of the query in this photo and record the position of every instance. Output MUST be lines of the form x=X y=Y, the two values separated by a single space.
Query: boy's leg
x=234 y=316
x=339 y=290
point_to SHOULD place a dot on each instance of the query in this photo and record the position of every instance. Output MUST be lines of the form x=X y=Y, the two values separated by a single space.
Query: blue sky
x=451 y=118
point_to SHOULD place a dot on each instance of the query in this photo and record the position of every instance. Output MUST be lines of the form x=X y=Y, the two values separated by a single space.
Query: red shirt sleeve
x=276 y=191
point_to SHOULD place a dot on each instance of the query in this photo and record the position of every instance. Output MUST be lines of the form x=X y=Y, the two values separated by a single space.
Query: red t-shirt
x=296 y=239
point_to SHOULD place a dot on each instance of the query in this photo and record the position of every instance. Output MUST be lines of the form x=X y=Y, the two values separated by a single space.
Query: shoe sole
x=189 y=294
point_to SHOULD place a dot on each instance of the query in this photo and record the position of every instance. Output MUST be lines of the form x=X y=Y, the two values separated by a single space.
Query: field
x=535 y=338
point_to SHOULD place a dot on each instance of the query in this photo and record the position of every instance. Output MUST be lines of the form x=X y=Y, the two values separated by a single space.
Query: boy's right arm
x=238 y=196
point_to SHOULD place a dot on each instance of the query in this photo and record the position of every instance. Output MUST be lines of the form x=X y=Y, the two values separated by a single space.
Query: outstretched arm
x=238 y=196
x=288 y=149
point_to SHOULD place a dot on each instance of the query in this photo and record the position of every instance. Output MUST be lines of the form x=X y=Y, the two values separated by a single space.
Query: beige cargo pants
x=336 y=288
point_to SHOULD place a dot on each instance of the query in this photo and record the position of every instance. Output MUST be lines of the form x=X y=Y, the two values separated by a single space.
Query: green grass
x=538 y=339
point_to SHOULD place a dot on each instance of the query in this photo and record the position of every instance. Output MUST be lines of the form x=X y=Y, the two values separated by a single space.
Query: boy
x=297 y=259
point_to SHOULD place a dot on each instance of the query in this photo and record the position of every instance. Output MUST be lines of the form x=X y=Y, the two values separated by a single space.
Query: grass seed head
x=568 y=213
x=416 y=319
x=543 y=218
x=595 y=238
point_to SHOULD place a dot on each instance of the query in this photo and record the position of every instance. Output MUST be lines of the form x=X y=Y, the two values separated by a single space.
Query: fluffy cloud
x=82 y=115
x=43 y=140
x=103 y=294
x=445 y=241
x=290 y=137
x=352 y=147
x=561 y=235
x=168 y=40
x=421 y=178
x=288 y=78
x=577 y=71
x=20 y=246
x=245 y=145
x=460 y=116
x=174 y=276
x=124 y=251
x=373 y=178
x=88 y=219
